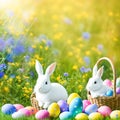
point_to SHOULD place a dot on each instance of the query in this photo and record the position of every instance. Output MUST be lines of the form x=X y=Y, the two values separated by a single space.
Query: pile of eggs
x=109 y=83
x=73 y=108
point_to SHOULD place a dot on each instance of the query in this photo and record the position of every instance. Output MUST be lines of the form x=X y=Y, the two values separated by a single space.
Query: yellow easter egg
x=81 y=116
x=115 y=114
x=71 y=97
x=95 y=116
x=54 y=110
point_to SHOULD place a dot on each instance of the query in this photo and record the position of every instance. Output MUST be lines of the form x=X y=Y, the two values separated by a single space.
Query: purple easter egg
x=85 y=104
x=8 y=109
x=63 y=105
x=42 y=114
x=18 y=106
x=118 y=90
x=91 y=108
x=25 y=112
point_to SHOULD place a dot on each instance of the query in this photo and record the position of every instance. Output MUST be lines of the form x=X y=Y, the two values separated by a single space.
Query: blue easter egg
x=109 y=93
x=91 y=108
x=66 y=116
x=76 y=106
x=8 y=109
x=63 y=105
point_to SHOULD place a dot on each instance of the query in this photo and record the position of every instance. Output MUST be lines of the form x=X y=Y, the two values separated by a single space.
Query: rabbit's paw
x=40 y=103
x=46 y=105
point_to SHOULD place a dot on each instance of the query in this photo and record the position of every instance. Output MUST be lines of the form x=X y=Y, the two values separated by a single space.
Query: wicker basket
x=113 y=101
x=34 y=102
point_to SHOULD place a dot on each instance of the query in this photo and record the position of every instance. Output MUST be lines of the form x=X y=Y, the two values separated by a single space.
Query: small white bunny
x=95 y=84
x=47 y=92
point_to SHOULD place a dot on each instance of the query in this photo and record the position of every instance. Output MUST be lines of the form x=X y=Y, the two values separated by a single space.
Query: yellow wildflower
x=75 y=67
x=6 y=89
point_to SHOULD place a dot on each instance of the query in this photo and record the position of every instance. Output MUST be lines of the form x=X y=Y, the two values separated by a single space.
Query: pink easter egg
x=118 y=90
x=85 y=104
x=17 y=115
x=42 y=114
x=104 y=110
x=31 y=109
x=107 y=82
x=18 y=106
x=25 y=112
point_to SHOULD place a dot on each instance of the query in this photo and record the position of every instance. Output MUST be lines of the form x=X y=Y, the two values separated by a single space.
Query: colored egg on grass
x=115 y=114
x=42 y=114
x=95 y=116
x=31 y=109
x=66 y=116
x=91 y=108
x=104 y=110
x=85 y=104
x=54 y=110
x=81 y=116
x=71 y=97
x=18 y=106
x=63 y=105
x=25 y=112
x=76 y=106
x=8 y=109
x=17 y=115
x=118 y=82
x=118 y=90
x=107 y=82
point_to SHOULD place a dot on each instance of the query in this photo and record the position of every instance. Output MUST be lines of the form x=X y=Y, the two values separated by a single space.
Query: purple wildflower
x=30 y=49
x=67 y=21
x=2 y=44
x=49 y=43
x=84 y=69
x=19 y=49
x=100 y=47
x=66 y=74
x=10 y=41
x=86 y=35
x=1 y=74
x=87 y=60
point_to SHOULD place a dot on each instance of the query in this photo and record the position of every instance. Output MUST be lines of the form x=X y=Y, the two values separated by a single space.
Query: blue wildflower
x=19 y=49
x=10 y=42
x=86 y=35
x=66 y=74
x=1 y=74
x=30 y=49
x=31 y=73
x=9 y=58
x=2 y=44
x=87 y=60
x=27 y=58
x=3 y=67
x=12 y=75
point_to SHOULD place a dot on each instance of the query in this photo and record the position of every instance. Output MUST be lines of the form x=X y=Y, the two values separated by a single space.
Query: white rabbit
x=95 y=84
x=47 y=92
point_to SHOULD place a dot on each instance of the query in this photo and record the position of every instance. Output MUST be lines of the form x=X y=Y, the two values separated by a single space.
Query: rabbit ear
x=100 y=72
x=94 y=70
x=38 y=68
x=50 y=69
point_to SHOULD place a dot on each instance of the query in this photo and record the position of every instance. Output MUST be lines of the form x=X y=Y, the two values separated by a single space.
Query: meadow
x=73 y=33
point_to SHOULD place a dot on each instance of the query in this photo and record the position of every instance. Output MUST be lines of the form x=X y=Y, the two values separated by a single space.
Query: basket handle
x=113 y=70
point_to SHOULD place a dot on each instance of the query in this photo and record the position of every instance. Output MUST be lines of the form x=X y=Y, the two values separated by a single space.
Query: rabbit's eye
x=46 y=83
x=95 y=82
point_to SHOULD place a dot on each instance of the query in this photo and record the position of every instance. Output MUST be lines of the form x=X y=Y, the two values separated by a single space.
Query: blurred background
x=75 y=33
